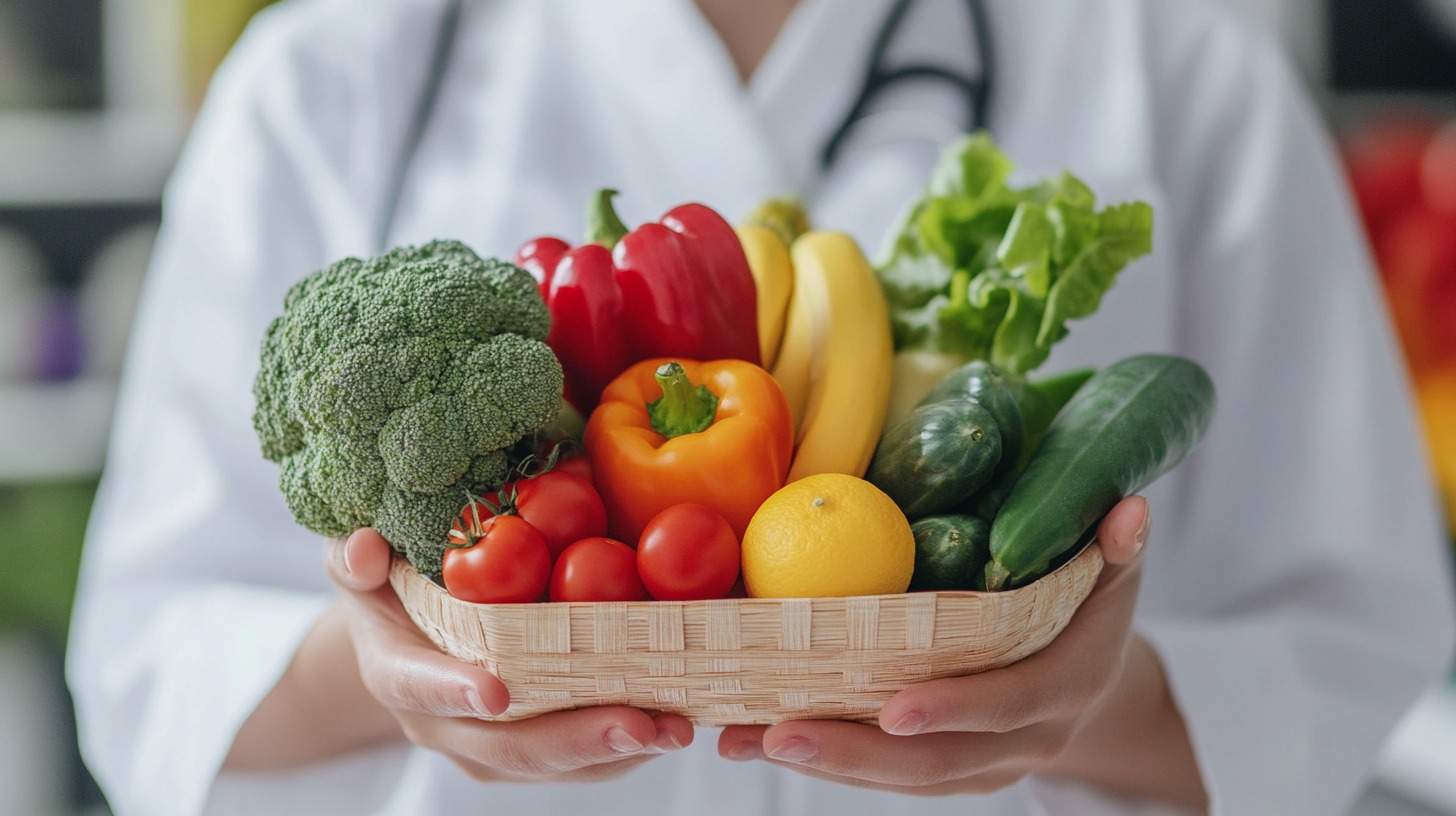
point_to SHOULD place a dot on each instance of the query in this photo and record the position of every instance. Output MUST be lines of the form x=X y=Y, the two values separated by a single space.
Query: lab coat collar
x=717 y=132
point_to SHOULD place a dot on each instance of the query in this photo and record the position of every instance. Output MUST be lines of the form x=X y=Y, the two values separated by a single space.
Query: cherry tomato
x=597 y=569
x=564 y=507
x=688 y=552
x=508 y=563
x=575 y=463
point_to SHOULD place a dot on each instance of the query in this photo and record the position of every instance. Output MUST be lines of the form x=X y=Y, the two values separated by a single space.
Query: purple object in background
x=59 y=344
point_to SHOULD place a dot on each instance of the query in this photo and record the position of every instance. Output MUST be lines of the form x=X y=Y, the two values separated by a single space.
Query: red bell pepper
x=677 y=288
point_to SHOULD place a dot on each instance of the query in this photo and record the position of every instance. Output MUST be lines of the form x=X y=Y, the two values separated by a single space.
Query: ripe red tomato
x=575 y=463
x=564 y=507
x=509 y=563
x=597 y=569
x=688 y=552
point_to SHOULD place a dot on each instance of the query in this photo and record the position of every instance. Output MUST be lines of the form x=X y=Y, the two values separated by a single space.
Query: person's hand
x=439 y=701
x=985 y=731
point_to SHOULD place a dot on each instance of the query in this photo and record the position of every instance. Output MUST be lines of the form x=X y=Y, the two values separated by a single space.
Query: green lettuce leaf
x=981 y=270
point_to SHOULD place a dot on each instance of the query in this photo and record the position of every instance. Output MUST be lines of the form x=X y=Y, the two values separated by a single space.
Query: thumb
x=359 y=563
x=1123 y=531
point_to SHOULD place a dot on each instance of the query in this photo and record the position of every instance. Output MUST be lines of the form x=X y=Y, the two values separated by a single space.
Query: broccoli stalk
x=390 y=387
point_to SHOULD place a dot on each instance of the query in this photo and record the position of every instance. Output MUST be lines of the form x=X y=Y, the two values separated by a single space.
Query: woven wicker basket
x=741 y=661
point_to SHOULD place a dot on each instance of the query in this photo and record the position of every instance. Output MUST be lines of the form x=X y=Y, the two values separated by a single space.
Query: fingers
x=929 y=763
x=741 y=743
x=400 y=667
x=556 y=744
x=1062 y=681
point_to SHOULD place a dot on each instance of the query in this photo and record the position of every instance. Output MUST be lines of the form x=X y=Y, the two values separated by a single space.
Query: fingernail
x=1142 y=534
x=912 y=723
x=348 y=568
x=665 y=742
x=795 y=750
x=472 y=699
x=745 y=752
x=620 y=741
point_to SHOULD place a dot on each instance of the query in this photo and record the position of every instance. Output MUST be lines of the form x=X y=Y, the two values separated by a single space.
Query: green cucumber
x=1042 y=400
x=937 y=456
x=1129 y=424
x=998 y=392
x=950 y=552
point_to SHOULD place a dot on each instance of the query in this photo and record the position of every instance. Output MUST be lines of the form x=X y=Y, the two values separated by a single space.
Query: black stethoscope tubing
x=976 y=90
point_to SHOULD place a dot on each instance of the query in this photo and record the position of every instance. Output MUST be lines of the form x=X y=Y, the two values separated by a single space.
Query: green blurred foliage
x=41 y=528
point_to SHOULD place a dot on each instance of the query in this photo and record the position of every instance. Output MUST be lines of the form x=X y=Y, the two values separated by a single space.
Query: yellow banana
x=768 y=258
x=836 y=356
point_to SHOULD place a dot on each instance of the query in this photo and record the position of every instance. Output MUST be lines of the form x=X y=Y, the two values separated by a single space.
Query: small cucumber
x=998 y=392
x=1128 y=425
x=1040 y=400
x=950 y=553
x=937 y=456
x=986 y=502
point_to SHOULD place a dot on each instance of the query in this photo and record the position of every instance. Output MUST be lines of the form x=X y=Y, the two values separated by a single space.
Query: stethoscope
x=975 y=89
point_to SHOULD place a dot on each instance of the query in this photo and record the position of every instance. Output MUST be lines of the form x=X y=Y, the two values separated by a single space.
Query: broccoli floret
x=391 y=387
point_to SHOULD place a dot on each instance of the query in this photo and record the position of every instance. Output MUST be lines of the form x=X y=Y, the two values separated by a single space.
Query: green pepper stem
x=603 y=226
x=683 y=408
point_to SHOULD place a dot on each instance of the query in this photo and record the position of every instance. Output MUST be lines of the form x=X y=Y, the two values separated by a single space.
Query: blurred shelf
x=1419 y=760
x=87 y=158
x=54 y=430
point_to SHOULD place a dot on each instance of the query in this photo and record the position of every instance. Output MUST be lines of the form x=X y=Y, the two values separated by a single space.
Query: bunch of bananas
x=824 y=328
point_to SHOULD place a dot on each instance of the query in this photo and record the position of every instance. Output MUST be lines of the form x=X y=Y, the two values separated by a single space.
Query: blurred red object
x=1402 y=171
x=1417 y=255
x=1383 y=159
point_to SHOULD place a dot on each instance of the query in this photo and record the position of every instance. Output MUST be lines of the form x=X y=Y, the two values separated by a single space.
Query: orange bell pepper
x=665 y=433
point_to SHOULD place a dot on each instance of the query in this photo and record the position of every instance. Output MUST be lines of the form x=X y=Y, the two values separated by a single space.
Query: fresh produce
x=950 y=553
x=597 y=569
x=1129 y=424
x=998 y=393
x=827 y=535
x=391 y=388
x=1038 y=401
x=1042 y=399
x=978 y=270
x=834 y=360
x=773 y=277
x=688 y=552
x=561 y=506
x=677 y=288
x=677 y=432
x=507 y=563
x=936 y=457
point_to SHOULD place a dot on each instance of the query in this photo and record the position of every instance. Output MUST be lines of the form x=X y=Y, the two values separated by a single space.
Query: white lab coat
x=1294 y=585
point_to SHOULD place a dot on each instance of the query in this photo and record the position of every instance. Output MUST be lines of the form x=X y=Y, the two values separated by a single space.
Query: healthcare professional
x=1292 y=597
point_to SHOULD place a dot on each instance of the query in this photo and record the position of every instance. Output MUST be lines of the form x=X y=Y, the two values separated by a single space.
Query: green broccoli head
x=391 y=387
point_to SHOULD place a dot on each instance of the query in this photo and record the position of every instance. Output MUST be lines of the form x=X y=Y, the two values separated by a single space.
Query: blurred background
x=95 y=100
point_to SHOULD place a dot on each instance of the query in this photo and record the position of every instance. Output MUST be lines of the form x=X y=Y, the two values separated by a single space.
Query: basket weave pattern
x=740 y=661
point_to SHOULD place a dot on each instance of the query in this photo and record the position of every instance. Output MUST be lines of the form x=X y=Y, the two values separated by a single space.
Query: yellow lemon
x=827 y=535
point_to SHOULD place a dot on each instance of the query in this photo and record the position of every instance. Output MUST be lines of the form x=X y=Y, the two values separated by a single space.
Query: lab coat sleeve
x=196 y=585
x=1297 y=591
